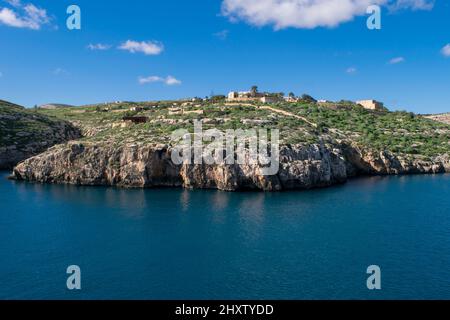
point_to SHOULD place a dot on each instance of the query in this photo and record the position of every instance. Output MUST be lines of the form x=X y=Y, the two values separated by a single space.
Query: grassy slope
x=4 y=103
x=398 y=132
x=18 y=125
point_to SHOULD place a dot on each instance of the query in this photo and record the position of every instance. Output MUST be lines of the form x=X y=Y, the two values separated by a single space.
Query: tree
x=254 y=91
x=308 y=98
x=291 y=95
x=218 y=98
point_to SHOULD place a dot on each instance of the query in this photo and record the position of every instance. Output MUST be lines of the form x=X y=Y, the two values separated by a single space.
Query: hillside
x=52 y=106
x=320 y=145
x=398 y=132
x=444 y=117
x=24 y=133
x=9 y=104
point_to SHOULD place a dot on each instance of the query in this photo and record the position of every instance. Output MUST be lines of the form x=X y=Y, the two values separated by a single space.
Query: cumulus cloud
x=169 y=80
x=308 y=14
x=9 y=18
x=23 y=16
x=446 y=50
x=397 y=60
x=145 y=47
x=98 y=46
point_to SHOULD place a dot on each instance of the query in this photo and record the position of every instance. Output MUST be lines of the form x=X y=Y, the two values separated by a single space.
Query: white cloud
x=308 y=13
x=36 y=14
x=446 y=50
x=397 y=60
x=144 y=80
x=14 y=3
x=146 y=47
x=98 y=46
x=351 y=70
x=24 y=16
x=412 y=4
x=8 y=17
x=169 y=80
x=222 y=35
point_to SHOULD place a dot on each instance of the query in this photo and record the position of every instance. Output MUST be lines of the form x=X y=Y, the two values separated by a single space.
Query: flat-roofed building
x=371 y=104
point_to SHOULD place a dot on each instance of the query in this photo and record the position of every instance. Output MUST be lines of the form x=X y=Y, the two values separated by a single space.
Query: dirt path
x=283 y=112
x=287 y=113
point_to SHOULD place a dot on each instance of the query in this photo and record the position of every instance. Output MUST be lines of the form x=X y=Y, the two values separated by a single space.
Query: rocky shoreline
x=147 y=166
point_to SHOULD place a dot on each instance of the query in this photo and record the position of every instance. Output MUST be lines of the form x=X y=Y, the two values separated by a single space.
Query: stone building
x=248 y=96
x=371 y=104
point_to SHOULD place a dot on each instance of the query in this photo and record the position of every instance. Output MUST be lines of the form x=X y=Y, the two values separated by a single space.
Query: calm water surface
x=178 y=244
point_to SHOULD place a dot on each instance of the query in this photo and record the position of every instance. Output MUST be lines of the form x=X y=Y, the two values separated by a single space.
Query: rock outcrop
x=24 y=133
x=301 y=167
x=386 y=163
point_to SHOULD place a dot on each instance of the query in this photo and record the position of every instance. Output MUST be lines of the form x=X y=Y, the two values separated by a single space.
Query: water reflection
x=220 y=200
x=219 y=204
x=185 y=200
x=252 y=215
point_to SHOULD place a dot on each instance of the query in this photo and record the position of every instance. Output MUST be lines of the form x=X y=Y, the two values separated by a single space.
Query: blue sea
x=180 y=244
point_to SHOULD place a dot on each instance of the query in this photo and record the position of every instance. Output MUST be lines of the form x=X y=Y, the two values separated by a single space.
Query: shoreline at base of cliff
x=147 y=166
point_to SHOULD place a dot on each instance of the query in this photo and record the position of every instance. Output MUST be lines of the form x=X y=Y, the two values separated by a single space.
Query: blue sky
x=193 y=48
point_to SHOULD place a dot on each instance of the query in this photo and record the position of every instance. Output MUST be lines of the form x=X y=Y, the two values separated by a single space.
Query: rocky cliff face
x=24 y=134
x=151 y=166
x=386 y=163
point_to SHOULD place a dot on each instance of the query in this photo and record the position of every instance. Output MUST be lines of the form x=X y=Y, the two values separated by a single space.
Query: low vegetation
x=19 y=125
x=398 y=132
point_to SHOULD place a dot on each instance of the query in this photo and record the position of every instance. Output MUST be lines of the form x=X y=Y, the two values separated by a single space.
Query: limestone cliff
x=134 y=165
